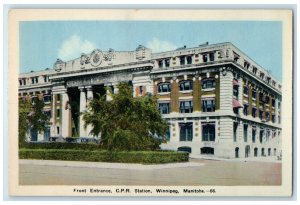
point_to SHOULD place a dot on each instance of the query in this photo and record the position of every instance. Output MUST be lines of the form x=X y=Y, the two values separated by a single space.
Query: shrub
x=143 y=157
x=62 y=145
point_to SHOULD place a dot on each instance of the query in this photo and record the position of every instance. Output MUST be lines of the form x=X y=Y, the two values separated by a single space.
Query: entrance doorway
x=247 y=151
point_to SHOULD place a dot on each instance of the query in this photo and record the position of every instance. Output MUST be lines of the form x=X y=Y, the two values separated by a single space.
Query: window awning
x=236 y=104
x=235 y=82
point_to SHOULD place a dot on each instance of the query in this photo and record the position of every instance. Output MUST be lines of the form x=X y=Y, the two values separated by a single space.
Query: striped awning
x=236 y=104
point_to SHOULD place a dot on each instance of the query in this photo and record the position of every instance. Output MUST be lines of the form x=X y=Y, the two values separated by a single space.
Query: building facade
x=216 y=100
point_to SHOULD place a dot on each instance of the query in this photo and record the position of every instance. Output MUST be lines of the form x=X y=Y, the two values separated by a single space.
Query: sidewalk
x=272 y=159
x=107 y=165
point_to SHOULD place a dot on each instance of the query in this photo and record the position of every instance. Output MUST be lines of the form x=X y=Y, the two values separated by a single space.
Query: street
x=196 y=172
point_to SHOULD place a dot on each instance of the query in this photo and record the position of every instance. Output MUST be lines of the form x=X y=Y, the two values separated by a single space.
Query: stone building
x=216 y=99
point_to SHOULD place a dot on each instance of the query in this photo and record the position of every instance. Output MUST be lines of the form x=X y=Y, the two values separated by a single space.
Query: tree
x=125 y=122
x=24 y=110
x=31 y=117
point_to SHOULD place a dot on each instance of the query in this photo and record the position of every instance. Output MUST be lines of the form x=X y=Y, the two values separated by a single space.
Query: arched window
x=185 y=149
x=208 y=83
x=164 y=87
x=186 y=85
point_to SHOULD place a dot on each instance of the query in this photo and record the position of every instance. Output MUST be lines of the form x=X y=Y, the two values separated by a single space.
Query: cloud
x=157 y=45
x=73 y=47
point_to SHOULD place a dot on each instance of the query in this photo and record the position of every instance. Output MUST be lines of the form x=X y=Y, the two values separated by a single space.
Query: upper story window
x=32 y=80
x=208 y=105
x=164 y=87
x=254 y=70
x=254 y=111
x=267 y=99
x=189 y=59
x=208 y=57
x=186 y=106
x=58 y=97
x=20 y=82
x=262 y=75
x=246 y=64
x=246 y=90
x=254 y=94
x=246 y=109
x=167 y=62
x=47 y=98
x=208 y=83
x=186 y=85
x=46 y=78
x=164 y=107
x=261 y=114
x=160 y=63
x=273 y=83
x=236 y=57
x=211 y=56
x=164 y=63
x=182 y=60
x=268 y=80
x=273 y=102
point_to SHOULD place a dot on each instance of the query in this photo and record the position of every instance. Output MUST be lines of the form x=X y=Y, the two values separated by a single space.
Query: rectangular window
x=45 y=78
x=273 y=102
x=268 y=135
x=246 y=64
x=236 y=92
x=246 y=90
x=168 y=134
x=47 y=98
x=58 y=97
x=189 y=59
x=164 y=87
x=160 y=63
x=245 y=110
x=186 y=106
x=37 y=80
x=253 y=94
x=245 y=132
x=186 y=131
x=58 y=113
x=24 y=82
x=182 y=60
x=57 y=129
x=267 y=116
x=261 y=135
x=253 y=134
x=186 y=85
x=267 y=99
x=208 y=132
x=167 y=62
x=261 y=97
x=32 y=80
x=261 y=113
x=208 y=105
x=204 y=58
x=273 y=118
x=164 y=108
x=211 y=57
x=208 y=83
x=20 y=82
x=254 y=70
x=254 y=111
x=141 y=90
x=235 y=126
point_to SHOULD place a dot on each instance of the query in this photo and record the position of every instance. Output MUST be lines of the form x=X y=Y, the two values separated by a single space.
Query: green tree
x=125 y=122
x=31 y=117
x=24 y=110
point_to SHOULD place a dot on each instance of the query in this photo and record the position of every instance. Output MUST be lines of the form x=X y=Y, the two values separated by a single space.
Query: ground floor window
x=269 y=152
x=253 y=134
x=46 y=134
x=262 y=151
x=33 y=135
x=274 y=151
x=186 y=131
x=247 y=151
x=168 y=134
x=185 y=149
x=207 y=150
x=236 y=152
x=255 y=152
x=208 y=132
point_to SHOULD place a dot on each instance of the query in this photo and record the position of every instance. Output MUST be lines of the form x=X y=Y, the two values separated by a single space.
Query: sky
x=42 y=42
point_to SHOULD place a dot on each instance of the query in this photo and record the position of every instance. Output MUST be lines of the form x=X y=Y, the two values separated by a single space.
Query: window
x=273 y=117
x=267 y=116
x=186 y=106
x=45 y=78
x=185 y=149
x=254 y=111
x=168 y=134
x=261 y=114
x=269 y=152
x=208 y=83
x=189 y=59
x=263 y=152
x=186 y=131
x=48 y=113
x=211 y=56
x=32 y=80
x=207 y=150
x=268 y=80
x=57 y=130
x=33 y=135
x=160 y=63
x=58 y=97
x=182 y=60
x=262 y=75
x=273 y=102
x=245 y=110
x=236 y=92
x=20 y=82
x=36 y=79
x=254 y=70
x=267 y=100
x=47 y=98
x=255 y=152
x=141 y=89
x=208 y=105
x=261 y=97
x=24 y=81
x=268 y=135
x=236 y=57
x=208 y=132
x=205 y=58
x=164 y=87
x=246 y=64
x=164 y=108
x=58 y=113
x=167 y=62
x=245 y=132
x=235 y=126
x=261 y=135
x=246 y=90
x=253 y=94
x=186 y=85
x=253 y=134
x=33 y=100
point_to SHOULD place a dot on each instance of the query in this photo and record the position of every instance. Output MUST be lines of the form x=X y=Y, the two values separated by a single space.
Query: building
x=216 y=99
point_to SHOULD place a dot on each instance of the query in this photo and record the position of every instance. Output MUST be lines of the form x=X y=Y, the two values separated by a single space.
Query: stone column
x=82 y=107
x=65 y=114
x=89 y=95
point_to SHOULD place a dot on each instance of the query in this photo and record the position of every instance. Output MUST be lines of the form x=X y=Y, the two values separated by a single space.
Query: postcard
x=150 y=102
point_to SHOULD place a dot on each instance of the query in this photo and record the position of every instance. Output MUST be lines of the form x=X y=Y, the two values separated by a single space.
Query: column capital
x=81 y=88
x=89 y=88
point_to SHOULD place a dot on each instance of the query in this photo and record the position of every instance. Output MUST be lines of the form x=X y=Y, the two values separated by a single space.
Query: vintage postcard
x=150 y=102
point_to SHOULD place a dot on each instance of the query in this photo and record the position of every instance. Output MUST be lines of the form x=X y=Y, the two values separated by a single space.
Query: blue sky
x=42 y=42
